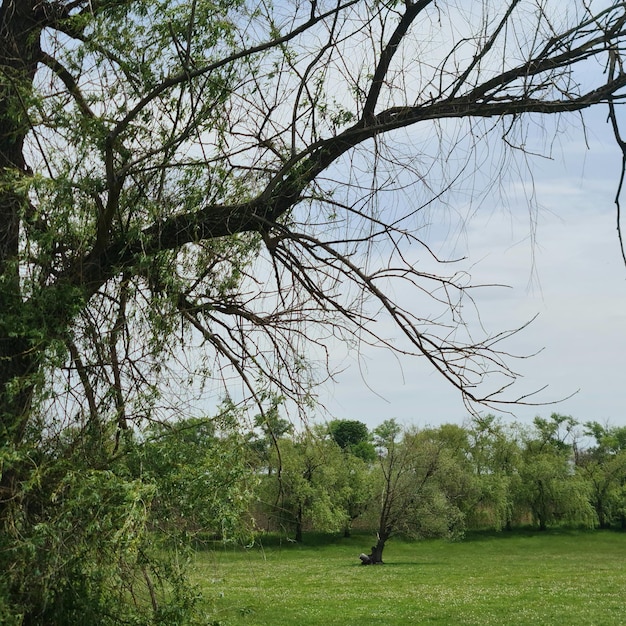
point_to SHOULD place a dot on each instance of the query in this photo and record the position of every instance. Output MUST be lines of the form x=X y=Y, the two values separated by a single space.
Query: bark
x=375 y=557
x=20 y=30
x=298 y=537
x=603 y=519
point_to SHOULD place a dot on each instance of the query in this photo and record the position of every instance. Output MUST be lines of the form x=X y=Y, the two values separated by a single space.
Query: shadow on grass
x=394 y=563
x=533 y=531
x=360 y=541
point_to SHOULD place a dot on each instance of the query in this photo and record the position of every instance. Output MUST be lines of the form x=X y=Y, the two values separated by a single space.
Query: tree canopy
x=192 y=172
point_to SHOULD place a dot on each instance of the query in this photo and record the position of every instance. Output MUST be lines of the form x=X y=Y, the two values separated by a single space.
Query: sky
x=561 y=263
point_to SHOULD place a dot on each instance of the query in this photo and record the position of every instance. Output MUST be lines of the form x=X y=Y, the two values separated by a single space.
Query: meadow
x=560 y=578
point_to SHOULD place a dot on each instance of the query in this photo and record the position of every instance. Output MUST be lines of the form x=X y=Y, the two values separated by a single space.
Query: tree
x=353 y=436
x=410 y=497
x=456 y=479
x=309 y=488
x=355 y=487
x=355 y=439
x=194 y=174
x=203 y=485
x=273 y=428
x=495 y=456
x=604 y=468
x=549 y=485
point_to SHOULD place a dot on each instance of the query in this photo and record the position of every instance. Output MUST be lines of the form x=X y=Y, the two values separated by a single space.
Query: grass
x=555 y=578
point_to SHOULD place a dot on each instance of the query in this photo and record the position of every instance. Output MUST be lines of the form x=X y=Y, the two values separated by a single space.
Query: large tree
x=212 y=175
x=417 y=488
x=150 y=150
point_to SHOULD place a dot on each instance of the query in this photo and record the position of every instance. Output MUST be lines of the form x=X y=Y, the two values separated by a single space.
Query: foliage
x=309 y=488
x=604 y=469
x=412 y=494
x=550 y=486
x=495 y=458
x=273 y=428
x=203 y=483
x=355 y=489
x=353 y=436
x=82 y=554
x=442 y=481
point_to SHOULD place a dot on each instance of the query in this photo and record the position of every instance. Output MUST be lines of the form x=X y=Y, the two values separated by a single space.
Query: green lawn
x=544 y=578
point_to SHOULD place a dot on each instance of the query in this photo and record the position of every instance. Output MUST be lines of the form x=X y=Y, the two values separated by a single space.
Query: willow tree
x=212 y=175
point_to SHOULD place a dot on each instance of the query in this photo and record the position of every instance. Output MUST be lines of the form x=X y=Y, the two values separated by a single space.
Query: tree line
x=391 y=480
x=115 y=533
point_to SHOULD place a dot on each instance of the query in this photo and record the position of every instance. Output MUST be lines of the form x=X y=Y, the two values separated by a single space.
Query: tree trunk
x=603 y=519
x=20 y=29
x=299 y=525
x=375 y=557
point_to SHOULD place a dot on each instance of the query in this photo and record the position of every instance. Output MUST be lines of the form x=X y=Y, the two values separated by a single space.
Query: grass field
x=555 y=578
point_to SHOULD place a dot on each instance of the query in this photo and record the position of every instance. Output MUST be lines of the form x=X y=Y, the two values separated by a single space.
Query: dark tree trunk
x=299 y=525
x=603 y=520
x=20 y=29
x=375 y=557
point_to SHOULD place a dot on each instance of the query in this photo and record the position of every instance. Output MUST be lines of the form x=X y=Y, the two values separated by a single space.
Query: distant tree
x=604 y=468
x=308 y=488
x=355 y=487
x=409 y=499
x=549 y=484
x=560 y=432
x=456 y=477
x=353 y=436
x=270 y=428
x=495 y=456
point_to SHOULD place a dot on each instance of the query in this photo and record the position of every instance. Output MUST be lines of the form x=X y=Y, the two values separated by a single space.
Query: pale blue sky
x=570 y=273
